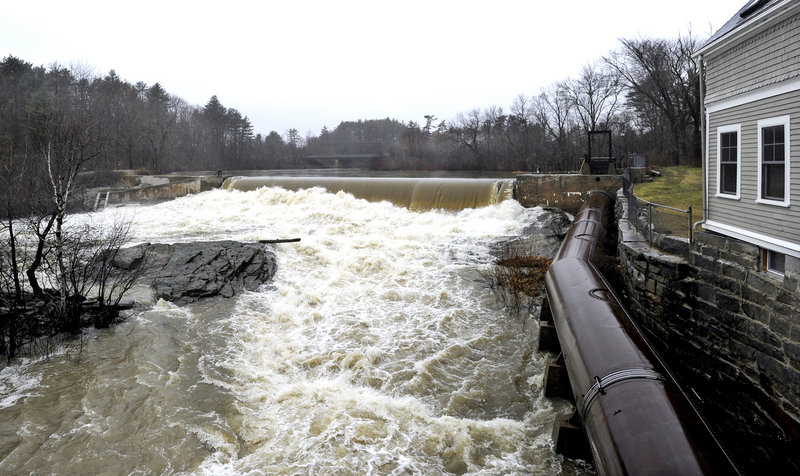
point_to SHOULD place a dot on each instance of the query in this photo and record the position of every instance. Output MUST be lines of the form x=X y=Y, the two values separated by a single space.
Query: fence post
x=649 y=223
x=691 y=231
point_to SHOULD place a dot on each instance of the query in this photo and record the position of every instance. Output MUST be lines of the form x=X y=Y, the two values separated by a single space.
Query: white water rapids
x=377 y=349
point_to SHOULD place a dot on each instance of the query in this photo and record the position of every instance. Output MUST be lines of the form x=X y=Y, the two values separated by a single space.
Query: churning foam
x=377 y=349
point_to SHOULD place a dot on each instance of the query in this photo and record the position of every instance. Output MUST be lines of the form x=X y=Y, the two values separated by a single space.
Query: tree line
x=56 y=274
x=646 y=92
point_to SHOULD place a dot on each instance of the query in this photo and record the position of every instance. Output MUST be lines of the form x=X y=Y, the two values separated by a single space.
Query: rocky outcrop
x=185 y=272
x=540 y=238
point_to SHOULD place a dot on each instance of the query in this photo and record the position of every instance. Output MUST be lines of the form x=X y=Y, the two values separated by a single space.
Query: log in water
x=377 y=349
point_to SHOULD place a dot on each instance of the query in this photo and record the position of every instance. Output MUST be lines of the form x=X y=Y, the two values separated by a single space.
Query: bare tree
x=12 y=172
x=466 y=131
x=15 y=79
x=413 y=138
x=111 y=283
x=520 y=132
x=553 y=111
x=595 y=96
x=162 y=116
x=89 y=254
x=663 y=74
x=63 y=134
x=494 y=124
x=12 y=260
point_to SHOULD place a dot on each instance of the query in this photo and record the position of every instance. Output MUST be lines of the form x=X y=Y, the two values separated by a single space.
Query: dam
x=442 y=191
x=412 y=193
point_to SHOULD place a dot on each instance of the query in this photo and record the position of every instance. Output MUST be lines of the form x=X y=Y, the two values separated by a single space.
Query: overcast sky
x=305 y=64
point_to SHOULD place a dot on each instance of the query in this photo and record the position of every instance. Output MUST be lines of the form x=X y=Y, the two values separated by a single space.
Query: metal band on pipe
x=602 y=383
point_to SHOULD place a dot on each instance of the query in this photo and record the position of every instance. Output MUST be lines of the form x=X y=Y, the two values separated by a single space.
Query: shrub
x=517 y=278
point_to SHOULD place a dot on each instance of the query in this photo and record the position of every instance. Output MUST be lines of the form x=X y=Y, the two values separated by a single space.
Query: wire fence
x=651 y=219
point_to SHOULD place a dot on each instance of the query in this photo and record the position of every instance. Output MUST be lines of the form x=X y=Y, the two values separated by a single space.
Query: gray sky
x=307 y=63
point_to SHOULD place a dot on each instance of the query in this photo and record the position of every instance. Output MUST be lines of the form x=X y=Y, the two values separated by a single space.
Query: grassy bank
x=677 y=187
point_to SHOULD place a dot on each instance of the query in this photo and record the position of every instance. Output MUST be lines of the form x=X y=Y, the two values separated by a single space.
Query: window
x=728 y=162
x=773 y=161
x=729 y=176
x=775 y=262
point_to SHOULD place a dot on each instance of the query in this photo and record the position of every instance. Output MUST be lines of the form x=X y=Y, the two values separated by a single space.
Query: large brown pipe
x=636 y=417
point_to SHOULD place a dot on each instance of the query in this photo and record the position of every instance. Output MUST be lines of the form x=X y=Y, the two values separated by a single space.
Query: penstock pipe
x=637 y=419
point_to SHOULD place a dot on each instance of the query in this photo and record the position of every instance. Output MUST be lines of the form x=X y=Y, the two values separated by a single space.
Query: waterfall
x=412 y=193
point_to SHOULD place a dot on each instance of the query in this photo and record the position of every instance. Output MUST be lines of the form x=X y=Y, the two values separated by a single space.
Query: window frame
x=768 y=266
x=771 y=122
x=737 y=128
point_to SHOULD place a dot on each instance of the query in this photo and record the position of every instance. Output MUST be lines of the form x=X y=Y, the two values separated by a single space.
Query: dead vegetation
x=517 y=277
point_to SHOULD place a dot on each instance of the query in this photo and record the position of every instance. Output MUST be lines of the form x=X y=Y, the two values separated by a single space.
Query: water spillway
x=637 y=419
x=411 y=193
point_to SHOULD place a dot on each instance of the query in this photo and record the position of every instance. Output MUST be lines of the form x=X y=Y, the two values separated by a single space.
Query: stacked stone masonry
x=731 y=333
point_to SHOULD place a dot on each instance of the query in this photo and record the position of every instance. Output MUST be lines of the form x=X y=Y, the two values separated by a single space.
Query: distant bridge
x=343 y=161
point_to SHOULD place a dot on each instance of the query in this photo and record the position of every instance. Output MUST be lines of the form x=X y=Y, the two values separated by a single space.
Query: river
x=377 y=349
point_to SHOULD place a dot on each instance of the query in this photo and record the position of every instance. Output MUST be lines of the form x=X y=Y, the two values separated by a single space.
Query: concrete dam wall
x=151 y=188
x=566 y=192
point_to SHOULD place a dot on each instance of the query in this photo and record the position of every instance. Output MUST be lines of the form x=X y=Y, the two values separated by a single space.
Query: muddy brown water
x=377 y=349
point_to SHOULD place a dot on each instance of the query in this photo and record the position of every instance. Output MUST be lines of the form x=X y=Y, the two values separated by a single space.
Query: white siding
x=767 y=58
x=780 y=222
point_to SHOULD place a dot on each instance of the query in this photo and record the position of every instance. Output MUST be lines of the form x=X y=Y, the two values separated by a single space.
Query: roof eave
x=757 y=21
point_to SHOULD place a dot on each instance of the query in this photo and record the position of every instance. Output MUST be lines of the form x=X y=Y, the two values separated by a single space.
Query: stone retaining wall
x=730 y=331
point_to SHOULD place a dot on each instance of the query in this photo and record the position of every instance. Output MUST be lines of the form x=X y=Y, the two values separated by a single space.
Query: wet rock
x=552 y=222
x=541 y=238
x=185 y=272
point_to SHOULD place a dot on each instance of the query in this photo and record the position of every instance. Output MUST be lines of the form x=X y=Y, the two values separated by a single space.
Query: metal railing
x=653 y=218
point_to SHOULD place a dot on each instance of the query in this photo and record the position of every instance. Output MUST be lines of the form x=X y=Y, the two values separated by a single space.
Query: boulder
x=552 y=223
x=541 y=238
x=185 y=272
